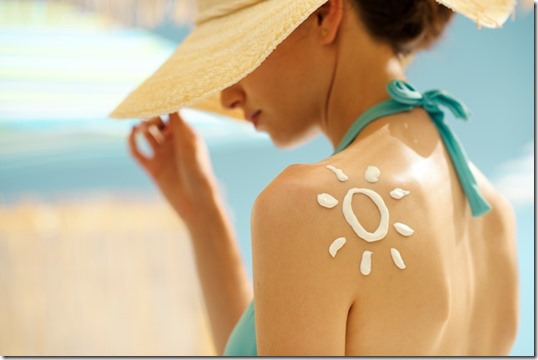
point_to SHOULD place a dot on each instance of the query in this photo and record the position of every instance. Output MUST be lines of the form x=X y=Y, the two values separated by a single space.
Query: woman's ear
x=329 y=17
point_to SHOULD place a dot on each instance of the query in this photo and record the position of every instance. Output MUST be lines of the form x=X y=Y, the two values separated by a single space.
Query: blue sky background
x=58 y=81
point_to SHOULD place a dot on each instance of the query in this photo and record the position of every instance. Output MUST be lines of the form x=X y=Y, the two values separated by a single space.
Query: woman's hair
x=406 y=25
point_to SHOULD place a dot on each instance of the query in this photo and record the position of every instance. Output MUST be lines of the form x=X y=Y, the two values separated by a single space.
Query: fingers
x=152 y=130
x=180 y=128
x=162 y=126
x=176 y=120
x=152 y=135
x=133 y=147
x=157 y=121
x=175 y=117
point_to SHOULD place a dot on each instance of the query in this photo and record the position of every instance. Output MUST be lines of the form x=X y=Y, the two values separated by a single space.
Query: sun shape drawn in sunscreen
x=371 y=175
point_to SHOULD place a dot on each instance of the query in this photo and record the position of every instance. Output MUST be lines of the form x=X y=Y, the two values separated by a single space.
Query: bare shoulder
x=287 y=217
x=296 y=297
x=289 y=197
x=495 y=258
x=288 y=187
x=319 y=218
x=386 y=214
x=301 y=292
x=499 y=224
x=313 y=231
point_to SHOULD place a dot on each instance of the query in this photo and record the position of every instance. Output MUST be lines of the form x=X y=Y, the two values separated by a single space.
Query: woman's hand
x=180 y=166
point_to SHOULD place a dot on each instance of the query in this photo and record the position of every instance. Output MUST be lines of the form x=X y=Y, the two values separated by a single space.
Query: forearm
x=222 y=274
x=181 y=168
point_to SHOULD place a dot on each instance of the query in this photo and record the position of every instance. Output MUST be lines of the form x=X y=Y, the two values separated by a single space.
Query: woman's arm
x=302 y=297
x=222 y=274
x=181 y=169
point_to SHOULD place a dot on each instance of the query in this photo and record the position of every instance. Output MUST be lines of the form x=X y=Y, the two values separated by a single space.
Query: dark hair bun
x=407 y=25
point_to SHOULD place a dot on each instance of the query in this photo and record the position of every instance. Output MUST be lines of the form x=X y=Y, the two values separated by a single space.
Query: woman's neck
x=361 y=74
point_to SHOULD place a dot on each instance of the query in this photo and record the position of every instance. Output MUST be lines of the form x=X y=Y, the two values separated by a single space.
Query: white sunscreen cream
x=352 y=220
x=366 y=262
x=398 y=193
x=336 y=245
x=403 y=229
x=339 y=173
x=372 y=174
x=397 y=258
x=327 y=201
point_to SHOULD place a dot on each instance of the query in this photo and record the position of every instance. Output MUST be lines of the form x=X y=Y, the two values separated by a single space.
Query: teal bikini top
x=403 y=97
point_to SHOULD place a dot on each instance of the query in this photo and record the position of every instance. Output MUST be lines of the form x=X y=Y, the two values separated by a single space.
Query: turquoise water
x=79 y=153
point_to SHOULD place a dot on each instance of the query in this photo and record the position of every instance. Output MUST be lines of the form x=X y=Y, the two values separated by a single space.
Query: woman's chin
x=290 y=143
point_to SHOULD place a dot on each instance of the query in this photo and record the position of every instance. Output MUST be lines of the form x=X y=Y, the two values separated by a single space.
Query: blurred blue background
x=60 y=79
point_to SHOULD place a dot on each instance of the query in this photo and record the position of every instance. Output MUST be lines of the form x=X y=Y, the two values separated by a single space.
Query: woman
x=393 y=245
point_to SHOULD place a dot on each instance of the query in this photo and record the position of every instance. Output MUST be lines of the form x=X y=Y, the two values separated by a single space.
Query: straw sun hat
x=232 y=38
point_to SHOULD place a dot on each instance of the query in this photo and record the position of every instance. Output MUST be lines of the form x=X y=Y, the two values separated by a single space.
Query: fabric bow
x=432 y=101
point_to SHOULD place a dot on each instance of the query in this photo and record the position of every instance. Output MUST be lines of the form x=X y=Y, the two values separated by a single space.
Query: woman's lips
x=254 y=118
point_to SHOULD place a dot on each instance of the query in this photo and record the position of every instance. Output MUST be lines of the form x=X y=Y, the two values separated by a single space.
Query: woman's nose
x=232 y=97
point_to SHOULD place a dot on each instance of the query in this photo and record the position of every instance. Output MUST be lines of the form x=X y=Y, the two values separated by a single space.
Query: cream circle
x=352 y=220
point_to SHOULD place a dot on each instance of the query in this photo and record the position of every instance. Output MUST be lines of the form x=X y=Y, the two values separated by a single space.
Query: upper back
x=457 y=294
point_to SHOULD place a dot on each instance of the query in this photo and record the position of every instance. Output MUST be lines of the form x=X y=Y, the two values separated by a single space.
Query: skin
x=181 y=169
x=458 y=294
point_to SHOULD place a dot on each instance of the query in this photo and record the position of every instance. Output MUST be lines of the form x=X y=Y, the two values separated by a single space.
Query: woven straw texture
x=217 y=54
x=232 y=39
x=488 y=13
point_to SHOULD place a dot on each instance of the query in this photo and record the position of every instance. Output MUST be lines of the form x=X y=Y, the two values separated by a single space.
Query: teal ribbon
x=404 y=98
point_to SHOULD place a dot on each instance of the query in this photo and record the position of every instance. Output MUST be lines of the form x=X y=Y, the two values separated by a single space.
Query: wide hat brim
x=215 y=55
x=488 y=13
x=223 y=50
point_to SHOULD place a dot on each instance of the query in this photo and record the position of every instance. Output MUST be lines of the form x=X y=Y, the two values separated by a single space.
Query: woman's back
x=341 y=265
x=458 y=270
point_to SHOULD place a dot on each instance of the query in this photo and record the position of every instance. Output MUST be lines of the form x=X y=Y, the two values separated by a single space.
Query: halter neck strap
x=404 y=97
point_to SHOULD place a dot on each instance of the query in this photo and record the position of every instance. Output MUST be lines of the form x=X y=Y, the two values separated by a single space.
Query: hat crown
x=210 y=9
